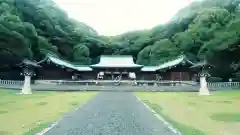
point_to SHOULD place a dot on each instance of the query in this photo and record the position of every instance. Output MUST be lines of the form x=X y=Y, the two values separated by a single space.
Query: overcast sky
x=112 y=17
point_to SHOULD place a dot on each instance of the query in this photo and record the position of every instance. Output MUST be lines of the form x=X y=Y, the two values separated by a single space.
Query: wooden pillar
x=112 y=76
x=181 y=76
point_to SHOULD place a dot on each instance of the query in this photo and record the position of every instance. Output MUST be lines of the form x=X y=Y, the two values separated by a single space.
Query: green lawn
x=28 y=114
x=191 y=114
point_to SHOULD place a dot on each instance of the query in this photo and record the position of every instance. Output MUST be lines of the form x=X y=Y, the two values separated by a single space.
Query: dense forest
x=204 y=30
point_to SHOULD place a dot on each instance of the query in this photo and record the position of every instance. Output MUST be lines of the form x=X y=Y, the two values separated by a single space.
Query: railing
x=224 y=85
x=10 y=82
x=117 y=82
x=211 y=85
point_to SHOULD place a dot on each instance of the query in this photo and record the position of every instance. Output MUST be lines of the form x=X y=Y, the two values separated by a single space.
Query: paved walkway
x=111 y=113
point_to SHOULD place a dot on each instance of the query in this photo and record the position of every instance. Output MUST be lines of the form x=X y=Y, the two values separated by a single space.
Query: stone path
x=111 y=113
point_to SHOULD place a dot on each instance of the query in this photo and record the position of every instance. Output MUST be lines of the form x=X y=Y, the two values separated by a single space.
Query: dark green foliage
x=81 y=54
x=203 y=30
x=33 y=28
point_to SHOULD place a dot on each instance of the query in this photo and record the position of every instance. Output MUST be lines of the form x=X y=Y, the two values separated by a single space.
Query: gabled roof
x=174 y=62
x=116 y=61
x=168 y=64
x=28 y=63
x=201 y=64
x=60 y=62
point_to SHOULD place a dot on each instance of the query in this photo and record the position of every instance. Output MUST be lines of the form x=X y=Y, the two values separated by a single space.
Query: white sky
x=112 y=17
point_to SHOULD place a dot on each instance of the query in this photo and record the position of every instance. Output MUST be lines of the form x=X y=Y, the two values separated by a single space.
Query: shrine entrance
x=117 y=69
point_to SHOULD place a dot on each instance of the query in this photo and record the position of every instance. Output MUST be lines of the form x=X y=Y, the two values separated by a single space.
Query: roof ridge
x=69 y=62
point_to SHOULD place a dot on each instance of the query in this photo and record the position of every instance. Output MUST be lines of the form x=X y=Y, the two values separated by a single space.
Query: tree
x=81 y=54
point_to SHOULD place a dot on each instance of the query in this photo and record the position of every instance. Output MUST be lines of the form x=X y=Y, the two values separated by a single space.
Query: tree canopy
x=33 y=28
x=204 y=30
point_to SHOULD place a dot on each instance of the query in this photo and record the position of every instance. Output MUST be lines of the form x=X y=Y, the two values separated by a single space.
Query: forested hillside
x=32 y=28
x=207 y=30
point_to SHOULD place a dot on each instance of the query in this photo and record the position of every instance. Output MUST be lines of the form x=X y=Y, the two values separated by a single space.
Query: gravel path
x=111 y=113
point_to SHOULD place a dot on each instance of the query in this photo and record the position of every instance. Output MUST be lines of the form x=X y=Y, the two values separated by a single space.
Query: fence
x=224 y=85
x=167 y=84
x=10 y=82
x=211 y=85
x=117 y=82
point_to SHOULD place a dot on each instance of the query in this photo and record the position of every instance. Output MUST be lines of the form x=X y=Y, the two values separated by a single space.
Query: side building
x=54 y=68
x=176 y=70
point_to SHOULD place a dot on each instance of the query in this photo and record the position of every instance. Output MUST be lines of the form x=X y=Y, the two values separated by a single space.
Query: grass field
x=191 y=114
x=29 y=114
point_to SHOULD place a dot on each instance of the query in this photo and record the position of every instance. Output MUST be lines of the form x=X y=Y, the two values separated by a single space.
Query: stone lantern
x=202 y=68
x=28 y=71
